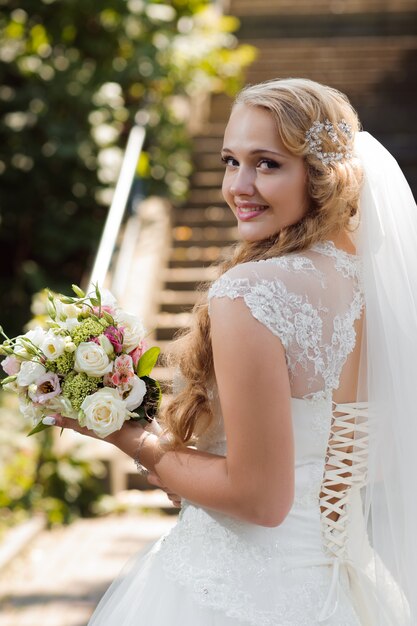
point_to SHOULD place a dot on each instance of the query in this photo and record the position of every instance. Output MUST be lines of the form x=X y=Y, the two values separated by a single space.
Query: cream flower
x=105 y=412
x=29 y=373
x=133 y=330
x=52 y=346
x=133 y=392
x=92 y=359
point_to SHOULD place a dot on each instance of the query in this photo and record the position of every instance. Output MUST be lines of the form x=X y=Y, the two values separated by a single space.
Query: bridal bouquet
x=89 y=363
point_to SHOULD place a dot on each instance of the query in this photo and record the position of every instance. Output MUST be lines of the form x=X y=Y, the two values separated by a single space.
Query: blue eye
x=268 y=164
x=228 y=160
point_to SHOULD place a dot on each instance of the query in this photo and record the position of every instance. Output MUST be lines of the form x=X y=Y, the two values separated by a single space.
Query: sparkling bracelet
x=141 y=468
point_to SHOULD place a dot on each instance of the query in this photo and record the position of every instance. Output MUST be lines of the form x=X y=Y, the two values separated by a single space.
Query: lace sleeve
x=268 y=301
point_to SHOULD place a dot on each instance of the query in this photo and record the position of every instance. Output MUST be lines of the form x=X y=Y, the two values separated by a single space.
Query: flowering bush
x=90 y=363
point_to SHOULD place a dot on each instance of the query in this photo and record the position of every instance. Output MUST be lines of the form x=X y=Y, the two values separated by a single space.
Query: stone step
x=205 y=235
x=202 y=197
x=275 y=8
x=188 y=278
x=197 y=256
x=212 y=215
x=206 y=178
x=175 y=301
x=209 y=160
x=168 y=324
x=209 y=145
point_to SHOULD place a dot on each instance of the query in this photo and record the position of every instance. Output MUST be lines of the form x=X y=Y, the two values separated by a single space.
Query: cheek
x=226 y=189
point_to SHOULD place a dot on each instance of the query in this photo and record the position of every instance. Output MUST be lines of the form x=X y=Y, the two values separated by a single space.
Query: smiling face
x=264 y=185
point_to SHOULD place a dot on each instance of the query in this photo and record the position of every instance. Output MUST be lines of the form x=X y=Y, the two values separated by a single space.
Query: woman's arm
x=255 y=481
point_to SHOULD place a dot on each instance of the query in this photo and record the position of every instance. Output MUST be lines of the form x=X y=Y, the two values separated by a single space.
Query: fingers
x=68 y=422
x=176 y=500
x=153 y=479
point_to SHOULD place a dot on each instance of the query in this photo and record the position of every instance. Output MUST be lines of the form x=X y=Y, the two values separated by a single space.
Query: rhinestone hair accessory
x=317 y=133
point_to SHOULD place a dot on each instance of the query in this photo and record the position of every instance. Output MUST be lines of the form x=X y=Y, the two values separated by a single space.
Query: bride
x=289 y=440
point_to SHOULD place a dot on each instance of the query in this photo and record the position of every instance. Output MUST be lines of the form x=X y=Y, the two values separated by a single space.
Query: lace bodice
x=310 y=300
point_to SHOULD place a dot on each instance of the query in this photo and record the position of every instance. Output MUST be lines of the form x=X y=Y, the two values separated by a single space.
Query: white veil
x=387 y=243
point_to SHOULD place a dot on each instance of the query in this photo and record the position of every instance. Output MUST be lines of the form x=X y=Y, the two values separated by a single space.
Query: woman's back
x=310 y=300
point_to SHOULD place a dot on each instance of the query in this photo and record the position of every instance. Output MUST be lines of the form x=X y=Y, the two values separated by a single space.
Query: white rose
x=105 y=412
x=135 y=394
x=133 y=330
x=29 y=373
x=52 y=346
x=92 y=359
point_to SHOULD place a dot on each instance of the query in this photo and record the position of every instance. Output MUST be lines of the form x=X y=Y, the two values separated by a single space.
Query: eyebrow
x=259 y=151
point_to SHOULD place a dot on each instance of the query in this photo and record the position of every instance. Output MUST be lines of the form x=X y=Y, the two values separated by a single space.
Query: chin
x=252 y=235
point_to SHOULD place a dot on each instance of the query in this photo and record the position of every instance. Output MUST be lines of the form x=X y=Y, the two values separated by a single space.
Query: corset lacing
x=346 y=467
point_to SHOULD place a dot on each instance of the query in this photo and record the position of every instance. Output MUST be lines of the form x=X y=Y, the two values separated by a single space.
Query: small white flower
x=35 y=336
x=104 y=412
x=67 y=315
x=30 y=411
x=52 y=346
x=91 y=359
x=133 y=330
x=29 y=373
x=133 y=392
x=69 y=344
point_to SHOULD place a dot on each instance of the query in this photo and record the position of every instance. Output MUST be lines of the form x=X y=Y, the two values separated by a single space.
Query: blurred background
x=111 y=119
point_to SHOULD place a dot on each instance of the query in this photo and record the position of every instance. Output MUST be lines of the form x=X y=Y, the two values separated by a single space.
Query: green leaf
x=37 y=429
x=8 y=379
x=147 y=361
x=98 y=294
x=78 y=291
x=94 y=302
x=108 y=317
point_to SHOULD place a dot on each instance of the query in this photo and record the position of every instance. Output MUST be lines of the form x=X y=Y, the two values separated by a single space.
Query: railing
x=118 y=206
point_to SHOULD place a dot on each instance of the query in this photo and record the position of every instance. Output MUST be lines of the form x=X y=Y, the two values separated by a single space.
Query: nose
x=243 y=182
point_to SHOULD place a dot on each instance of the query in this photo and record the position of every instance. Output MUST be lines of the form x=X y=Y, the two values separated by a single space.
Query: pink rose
x=137 y=353
x=47 y=387
x=122 y=370
x=115 y=336
x=11 y=365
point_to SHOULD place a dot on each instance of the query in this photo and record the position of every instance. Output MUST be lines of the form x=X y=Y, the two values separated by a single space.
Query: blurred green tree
x=73 y=76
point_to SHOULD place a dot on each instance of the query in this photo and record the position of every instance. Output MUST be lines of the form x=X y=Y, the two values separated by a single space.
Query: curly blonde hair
x=333 y=190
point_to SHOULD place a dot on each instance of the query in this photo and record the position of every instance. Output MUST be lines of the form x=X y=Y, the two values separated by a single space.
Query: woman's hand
x=124 y=439
x=130 y=430
x=153 y=479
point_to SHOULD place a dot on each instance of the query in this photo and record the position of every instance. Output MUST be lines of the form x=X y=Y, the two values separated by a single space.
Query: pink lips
x=244 y=213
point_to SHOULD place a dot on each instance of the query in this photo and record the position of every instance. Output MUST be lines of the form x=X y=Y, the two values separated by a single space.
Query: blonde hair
x=333 y=190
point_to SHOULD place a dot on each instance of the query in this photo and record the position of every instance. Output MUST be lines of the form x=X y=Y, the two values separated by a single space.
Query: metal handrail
x=118 y=206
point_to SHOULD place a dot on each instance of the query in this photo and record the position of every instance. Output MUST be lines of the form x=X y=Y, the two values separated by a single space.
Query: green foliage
x=148 y=361
x=74 y=76
x=34 y=478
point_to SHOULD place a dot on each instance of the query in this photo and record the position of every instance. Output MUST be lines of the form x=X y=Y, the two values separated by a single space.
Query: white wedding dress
x=318 y=566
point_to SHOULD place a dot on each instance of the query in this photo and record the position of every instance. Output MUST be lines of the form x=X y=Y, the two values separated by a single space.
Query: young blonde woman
x=290 y=439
